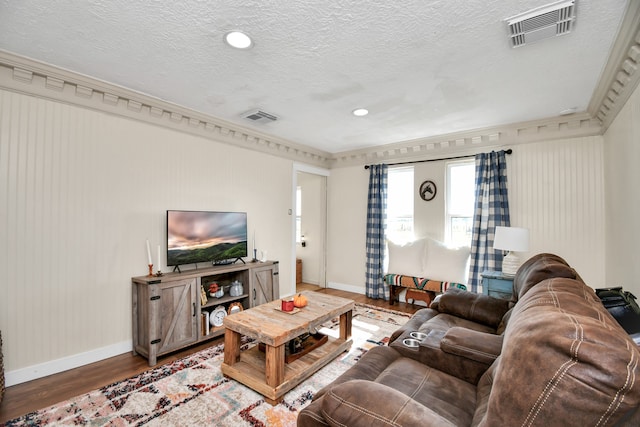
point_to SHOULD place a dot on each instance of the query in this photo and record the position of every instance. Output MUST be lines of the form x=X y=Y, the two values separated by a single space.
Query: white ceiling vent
x=552 y=20
x=259 y=116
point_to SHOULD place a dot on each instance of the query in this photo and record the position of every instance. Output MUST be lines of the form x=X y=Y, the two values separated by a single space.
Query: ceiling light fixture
x=360 y=112
x=568 y=111
x=238 y=39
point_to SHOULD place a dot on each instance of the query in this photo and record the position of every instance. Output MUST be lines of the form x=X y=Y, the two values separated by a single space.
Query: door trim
x=314 y=170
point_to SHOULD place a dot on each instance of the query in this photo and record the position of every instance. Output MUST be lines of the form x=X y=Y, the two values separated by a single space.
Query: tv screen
x=198 y=236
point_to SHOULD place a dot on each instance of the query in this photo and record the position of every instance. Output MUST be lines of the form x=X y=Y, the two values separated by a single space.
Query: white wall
x=429 y=217
x=622 y=158
x=556 y=189
x=81 y=192
x=347 y=219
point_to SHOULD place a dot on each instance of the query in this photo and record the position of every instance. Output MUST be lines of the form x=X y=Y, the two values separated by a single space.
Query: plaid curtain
x=492 y=209
x=376 y=226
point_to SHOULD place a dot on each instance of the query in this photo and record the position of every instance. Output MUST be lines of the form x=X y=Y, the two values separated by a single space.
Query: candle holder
x=255 y=256
x=158 y=273
x=150 y=271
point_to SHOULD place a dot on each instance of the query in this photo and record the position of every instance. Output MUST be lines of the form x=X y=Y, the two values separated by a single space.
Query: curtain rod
x=509 y=151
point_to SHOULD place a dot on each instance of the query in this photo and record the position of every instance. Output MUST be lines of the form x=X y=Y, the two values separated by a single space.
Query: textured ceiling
x=422 y=68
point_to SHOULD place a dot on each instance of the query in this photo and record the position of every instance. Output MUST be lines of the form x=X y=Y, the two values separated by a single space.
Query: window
x=400 y=204
x=460 y=203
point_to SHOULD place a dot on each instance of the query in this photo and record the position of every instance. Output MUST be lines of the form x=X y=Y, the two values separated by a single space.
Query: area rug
x=192 y=391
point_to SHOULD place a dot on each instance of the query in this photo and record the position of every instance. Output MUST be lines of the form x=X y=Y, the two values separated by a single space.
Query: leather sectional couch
x=551 y=356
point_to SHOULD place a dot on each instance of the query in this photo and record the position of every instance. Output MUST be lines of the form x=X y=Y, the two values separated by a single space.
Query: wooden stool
x=414 y=294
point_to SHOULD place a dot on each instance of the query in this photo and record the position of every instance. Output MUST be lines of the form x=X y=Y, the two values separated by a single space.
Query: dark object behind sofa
x=622 y=306
x=1 y=370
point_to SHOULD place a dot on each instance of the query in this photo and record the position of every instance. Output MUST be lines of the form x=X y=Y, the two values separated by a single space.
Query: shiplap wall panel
x=80 y=192
x=556 y=189
x=622 y=154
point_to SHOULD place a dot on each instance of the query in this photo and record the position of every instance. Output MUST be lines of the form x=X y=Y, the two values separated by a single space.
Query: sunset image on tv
x=215 y=237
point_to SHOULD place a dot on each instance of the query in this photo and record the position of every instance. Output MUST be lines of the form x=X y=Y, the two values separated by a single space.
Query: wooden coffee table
x=267 y=372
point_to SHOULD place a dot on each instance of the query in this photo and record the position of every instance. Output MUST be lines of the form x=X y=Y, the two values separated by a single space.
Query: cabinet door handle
x=254 y=293
x=194 y=309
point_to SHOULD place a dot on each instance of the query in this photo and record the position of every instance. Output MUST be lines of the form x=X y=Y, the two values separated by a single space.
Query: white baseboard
x=45 y=369
x=345 y=287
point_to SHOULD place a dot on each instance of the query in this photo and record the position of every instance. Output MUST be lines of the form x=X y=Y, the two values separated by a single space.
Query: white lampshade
x=512 y=239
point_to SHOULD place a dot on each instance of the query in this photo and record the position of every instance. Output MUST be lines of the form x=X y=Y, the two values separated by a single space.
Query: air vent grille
x=259 y=116
x=544 y=22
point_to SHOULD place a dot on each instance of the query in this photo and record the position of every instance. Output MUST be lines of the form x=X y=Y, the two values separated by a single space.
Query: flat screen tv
x=199 y=236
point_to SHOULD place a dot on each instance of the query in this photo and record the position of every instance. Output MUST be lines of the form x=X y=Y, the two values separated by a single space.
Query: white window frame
x=450 y=213
x=408 y=197
x=298 y=214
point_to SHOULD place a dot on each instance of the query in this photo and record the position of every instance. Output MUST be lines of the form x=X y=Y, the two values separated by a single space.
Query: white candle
x=159 y=264
x=254 y=239
x=149 y=253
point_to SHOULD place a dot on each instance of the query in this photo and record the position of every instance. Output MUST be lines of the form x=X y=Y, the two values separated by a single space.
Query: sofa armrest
x=475 y=345
x=370 y=404
x=475 y=307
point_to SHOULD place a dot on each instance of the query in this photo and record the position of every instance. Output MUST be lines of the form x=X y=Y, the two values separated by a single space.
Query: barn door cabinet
x=264 y=284
x=168 y=313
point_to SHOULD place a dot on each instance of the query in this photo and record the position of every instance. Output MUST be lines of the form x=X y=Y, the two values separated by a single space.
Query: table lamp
x=512 y=239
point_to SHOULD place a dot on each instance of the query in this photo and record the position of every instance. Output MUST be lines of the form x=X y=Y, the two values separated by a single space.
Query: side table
x=497 y=284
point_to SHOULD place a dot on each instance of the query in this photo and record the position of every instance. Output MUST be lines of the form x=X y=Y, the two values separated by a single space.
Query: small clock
x=235 y=307
x=428 y=190
x=217 y=316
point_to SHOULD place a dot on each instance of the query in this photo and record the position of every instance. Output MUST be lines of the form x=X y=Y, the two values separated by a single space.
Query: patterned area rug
x=192 y=391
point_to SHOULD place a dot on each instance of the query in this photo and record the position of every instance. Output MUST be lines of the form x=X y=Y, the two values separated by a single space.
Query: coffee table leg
x=231 y=347
x=345 y=325
x=274 y=365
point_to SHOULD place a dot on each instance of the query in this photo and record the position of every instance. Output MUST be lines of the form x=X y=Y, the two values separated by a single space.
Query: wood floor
x=27 y=397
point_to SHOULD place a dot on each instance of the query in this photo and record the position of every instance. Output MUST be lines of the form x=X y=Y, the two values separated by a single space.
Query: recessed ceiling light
x=359 y=112
x=238 y=39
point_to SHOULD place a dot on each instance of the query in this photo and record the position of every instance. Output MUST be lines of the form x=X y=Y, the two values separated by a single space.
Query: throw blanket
x=421 y=283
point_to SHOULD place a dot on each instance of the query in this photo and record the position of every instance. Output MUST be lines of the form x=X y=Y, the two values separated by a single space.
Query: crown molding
x=618 y=81
x=471 y=142
x=620 y=76
x=24 y=75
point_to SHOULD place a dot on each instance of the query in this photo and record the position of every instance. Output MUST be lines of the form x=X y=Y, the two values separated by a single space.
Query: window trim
x=409 y=234
x=448 y=216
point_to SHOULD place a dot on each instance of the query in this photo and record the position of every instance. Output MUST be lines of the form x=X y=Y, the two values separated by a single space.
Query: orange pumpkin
x=300 y=301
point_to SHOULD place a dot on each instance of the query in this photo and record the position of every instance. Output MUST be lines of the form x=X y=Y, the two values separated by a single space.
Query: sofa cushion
x=446 y=264
x=406 y=392
x=479 y=346
x=430 y=387
x=472 y=306
x=373 y=362
x=562 y=354
x=350 y=404
x=407 y=259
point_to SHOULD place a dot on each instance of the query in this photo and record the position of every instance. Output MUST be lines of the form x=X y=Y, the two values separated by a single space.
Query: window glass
x=400 y=192
x=460 y=202
x=298 y=214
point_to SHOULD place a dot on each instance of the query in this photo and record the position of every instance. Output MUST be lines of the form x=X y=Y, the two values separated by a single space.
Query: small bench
x=417 y=287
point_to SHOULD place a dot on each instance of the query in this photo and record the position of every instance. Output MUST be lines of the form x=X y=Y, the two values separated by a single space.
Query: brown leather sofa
x=551 y=356
x=464 y=330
